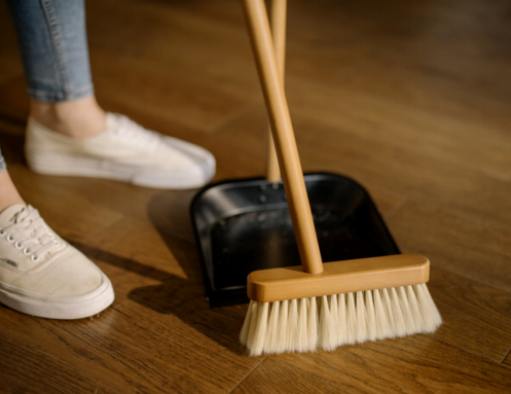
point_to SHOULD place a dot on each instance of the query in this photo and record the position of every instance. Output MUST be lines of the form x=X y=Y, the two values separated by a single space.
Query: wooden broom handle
x=283 y=134
x=278 y=29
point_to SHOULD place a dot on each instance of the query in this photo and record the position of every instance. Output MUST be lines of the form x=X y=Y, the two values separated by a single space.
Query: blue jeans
x=53 y=45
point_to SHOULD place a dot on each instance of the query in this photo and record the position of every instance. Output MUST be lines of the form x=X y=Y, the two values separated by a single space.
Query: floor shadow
x=124 y=263
x=180 y=297
x=184 y=298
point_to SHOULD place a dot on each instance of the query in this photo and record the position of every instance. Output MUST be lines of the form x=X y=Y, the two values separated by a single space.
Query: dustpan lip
x=203 y=190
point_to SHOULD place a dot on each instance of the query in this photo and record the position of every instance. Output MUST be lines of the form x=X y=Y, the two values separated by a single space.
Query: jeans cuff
x=53 y=96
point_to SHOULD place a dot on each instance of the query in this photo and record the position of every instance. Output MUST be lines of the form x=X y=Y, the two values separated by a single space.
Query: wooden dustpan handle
x=278 y=28
x=283 y=134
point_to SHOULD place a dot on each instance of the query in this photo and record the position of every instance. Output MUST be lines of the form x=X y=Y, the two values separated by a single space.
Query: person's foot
x=125 y=151
x=42 y=275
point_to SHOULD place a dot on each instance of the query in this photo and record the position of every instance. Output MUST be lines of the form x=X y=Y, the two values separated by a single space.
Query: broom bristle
x=326 y=322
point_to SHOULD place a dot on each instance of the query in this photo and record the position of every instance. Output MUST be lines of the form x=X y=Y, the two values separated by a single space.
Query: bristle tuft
x=326 y=322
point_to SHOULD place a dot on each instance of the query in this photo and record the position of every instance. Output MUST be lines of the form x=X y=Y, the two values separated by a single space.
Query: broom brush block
x=276 y=284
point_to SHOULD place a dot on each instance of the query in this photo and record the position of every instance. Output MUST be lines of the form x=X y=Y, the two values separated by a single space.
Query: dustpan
x=243 y=225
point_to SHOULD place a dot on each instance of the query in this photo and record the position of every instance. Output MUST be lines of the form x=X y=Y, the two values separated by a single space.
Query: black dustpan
x=244 y=225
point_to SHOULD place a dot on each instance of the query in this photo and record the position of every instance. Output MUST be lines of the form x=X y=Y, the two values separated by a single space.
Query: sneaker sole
x=88 y=305
x=63 y=165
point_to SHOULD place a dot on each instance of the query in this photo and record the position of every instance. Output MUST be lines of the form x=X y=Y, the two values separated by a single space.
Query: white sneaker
x=42 y=275
x=125 y=152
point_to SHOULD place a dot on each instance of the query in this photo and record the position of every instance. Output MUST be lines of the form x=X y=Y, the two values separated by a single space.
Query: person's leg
x=53 y=42
x=8 y=193
x=40 y=273
x=78 y=118
x=92 y=143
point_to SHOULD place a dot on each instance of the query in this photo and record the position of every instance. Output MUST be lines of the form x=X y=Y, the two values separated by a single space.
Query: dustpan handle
x=278 y=29
x=283 y=134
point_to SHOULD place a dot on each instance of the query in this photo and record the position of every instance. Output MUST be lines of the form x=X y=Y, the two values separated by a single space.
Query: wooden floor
x=410 y=98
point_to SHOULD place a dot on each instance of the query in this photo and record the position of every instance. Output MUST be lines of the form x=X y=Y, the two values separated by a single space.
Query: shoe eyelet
x=26 y=251
x=34 y=258
x=18 y=245
x=10 y=238
x=2 y=232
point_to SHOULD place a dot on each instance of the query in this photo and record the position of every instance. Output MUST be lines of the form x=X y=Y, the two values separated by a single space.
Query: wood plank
x=471 y=243
x=507 y=360
x=379 y=369
x=11 y=63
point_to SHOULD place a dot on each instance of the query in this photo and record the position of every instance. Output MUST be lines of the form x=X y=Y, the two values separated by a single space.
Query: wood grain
x=411 y=99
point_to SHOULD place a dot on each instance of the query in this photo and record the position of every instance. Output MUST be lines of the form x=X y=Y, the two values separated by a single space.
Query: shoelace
x=31 y=235
x=128 y=129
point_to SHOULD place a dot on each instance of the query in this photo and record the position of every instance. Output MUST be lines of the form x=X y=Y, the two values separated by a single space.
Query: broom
x=315 y=305
x=278 y=29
